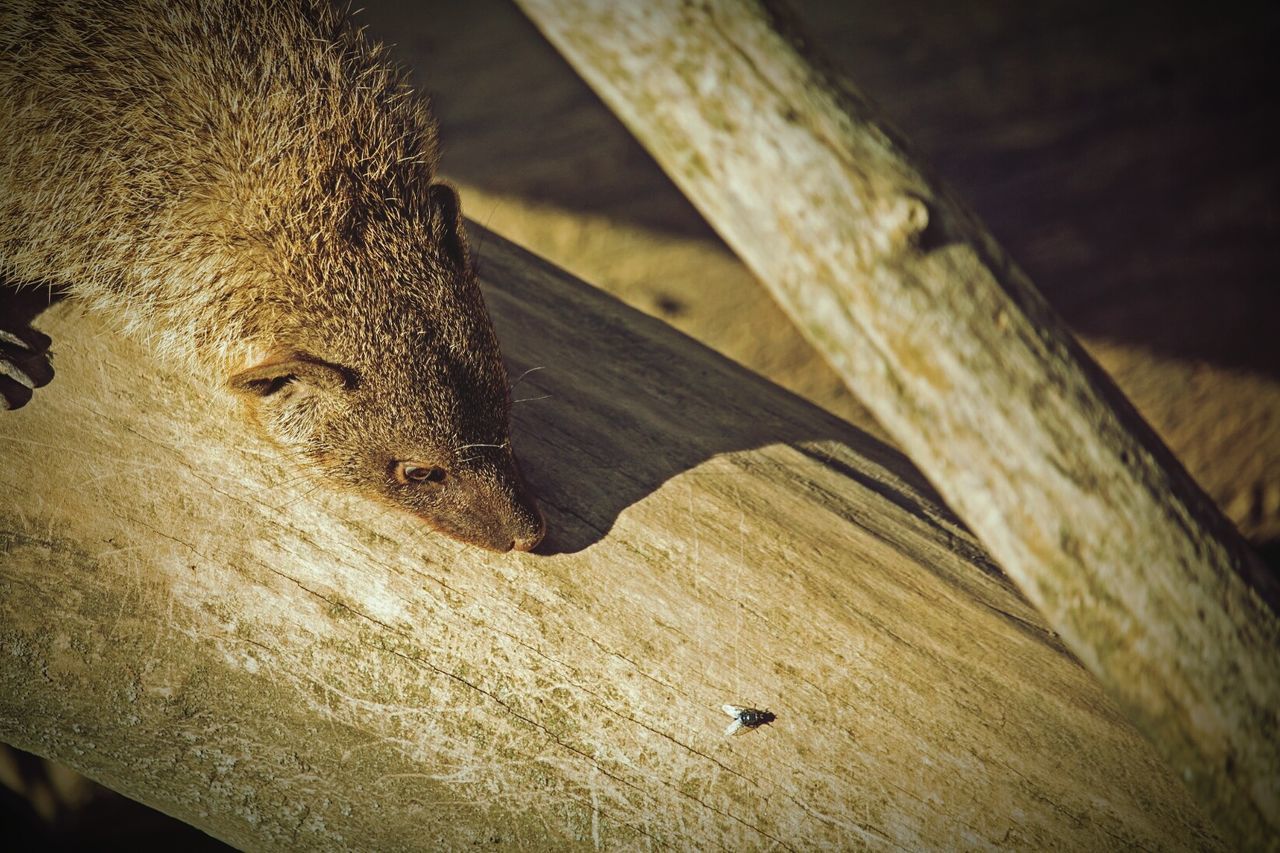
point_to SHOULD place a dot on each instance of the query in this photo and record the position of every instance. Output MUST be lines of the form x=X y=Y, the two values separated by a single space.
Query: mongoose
x=248 y=186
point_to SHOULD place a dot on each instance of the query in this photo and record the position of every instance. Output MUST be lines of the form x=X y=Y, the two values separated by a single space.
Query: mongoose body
x=248 y=187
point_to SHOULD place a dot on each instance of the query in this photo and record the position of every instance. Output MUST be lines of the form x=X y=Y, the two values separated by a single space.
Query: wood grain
x=958 y=356
x=1123 y=155
x=184 y=620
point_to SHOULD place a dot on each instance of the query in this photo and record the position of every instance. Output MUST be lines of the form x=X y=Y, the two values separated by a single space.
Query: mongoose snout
x=248 y=187
x=496 y=510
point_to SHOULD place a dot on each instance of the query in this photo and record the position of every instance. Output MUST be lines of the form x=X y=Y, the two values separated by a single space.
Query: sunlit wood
x=183 y=620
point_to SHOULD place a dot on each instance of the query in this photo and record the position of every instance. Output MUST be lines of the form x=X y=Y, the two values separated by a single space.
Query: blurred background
x=1124 y=154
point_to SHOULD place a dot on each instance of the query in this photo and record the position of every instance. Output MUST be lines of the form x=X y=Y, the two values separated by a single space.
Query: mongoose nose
x=526 y=544
x=530 y=540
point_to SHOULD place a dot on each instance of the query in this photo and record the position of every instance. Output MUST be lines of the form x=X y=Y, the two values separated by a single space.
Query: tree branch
x=958 y=356
x=185 y=621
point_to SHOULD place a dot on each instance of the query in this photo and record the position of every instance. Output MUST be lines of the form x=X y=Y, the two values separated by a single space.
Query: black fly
x=746 y=718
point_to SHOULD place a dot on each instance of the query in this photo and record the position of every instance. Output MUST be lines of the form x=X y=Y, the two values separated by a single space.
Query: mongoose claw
x=24 y=365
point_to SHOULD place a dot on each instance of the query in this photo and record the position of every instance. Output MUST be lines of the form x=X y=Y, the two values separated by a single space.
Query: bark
x=184 y=620
x=963 y=362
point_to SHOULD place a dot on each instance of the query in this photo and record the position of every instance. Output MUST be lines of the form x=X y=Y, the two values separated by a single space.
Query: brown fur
x=248 y=188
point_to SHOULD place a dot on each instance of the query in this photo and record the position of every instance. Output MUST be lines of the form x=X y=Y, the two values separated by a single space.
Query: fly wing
x=732 y=710
x=735 y=727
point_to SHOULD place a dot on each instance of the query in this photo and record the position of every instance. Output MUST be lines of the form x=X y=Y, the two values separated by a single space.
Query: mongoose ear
x=274 y=374
x=446 y=219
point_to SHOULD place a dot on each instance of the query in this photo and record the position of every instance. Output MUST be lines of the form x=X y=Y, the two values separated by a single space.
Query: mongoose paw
x=24 y=364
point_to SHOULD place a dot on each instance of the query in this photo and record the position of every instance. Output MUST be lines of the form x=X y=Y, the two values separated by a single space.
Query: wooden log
x=284 y=667
x=958 y=356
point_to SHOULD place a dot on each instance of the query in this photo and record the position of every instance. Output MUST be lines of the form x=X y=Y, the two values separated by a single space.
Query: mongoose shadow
x=613 y=402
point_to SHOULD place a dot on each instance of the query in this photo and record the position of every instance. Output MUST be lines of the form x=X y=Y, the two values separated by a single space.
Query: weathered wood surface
x=1124 y=155
x=962 y=361
x=183 y=620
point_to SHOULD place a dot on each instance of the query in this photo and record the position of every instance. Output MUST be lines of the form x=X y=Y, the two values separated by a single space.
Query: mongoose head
x=389 y=383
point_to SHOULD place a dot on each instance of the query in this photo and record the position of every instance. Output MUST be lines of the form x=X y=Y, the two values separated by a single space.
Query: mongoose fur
x=248 y=187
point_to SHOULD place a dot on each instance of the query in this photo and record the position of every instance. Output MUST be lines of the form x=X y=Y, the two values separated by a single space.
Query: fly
x=746 y=718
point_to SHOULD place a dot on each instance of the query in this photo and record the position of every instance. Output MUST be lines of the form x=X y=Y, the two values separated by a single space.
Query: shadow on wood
x=628 y=419
x=184 y=620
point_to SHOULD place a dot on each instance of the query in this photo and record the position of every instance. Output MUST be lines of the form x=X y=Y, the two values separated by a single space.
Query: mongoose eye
x=411 y=473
